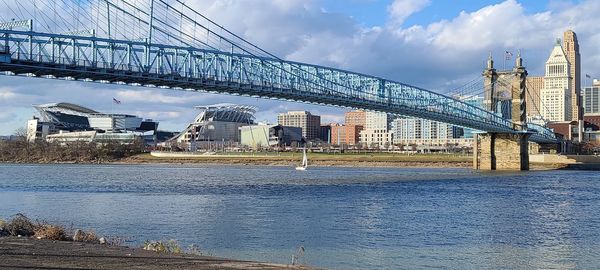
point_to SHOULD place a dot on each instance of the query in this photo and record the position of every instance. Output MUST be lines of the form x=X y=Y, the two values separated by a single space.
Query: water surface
x=346 y=218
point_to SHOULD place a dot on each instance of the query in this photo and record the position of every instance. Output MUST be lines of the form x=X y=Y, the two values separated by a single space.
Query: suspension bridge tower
x=504 y=94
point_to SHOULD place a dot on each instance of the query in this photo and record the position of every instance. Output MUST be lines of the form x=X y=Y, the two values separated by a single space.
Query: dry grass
x=3 y=231
x=88 y=237
x=51 y=232
x=91 y=237
x=20 y=225
x=170 y=246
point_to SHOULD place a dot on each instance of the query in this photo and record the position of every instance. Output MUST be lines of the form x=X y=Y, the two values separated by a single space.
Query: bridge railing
x=200 y=69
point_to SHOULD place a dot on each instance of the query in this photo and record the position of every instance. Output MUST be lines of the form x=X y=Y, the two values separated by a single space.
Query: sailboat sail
x=304 y=161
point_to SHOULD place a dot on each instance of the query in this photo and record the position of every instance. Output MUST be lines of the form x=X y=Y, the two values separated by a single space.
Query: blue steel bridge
x=168 y=44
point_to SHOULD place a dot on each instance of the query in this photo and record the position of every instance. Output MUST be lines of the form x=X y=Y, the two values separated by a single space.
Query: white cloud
x=399 y=10
x=159 y=115
x=6 y=94
x=150 y=96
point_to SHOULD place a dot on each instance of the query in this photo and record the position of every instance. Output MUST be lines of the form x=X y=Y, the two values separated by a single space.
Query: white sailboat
x=304 y=161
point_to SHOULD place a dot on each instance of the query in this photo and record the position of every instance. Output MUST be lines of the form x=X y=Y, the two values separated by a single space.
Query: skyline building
x=376 y=129
x=345 y=134
x=357 y=118
x=571 y=49
x=310 y=124
x=556 y=94
x=376 y=120
x=591 y=99
x=535 y=84
x=422 y=131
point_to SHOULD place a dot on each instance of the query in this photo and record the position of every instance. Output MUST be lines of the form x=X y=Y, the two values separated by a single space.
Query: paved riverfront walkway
x=26 y=253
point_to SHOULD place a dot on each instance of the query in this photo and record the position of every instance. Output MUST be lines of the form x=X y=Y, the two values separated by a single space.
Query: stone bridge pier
x=504 y=151
x=501 y=151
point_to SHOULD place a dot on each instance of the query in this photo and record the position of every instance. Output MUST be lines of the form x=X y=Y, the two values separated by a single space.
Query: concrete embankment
x=574 y=162
x=29 y=253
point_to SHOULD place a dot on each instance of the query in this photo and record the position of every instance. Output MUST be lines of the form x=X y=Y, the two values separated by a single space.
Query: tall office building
x=591 y=99
x=309 y=123
x=556 y=95
x=535 y=84
x=571 y=48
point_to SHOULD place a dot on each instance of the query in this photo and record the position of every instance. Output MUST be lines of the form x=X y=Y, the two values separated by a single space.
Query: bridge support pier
x=501 y=151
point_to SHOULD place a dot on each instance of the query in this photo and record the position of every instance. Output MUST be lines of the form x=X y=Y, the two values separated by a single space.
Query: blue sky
x=434 y=44
x=374 y=12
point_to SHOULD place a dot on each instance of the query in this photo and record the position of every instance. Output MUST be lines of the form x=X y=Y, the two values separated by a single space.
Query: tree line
x=22 y=151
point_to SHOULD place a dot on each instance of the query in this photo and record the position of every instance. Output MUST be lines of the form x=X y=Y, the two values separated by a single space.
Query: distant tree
x=20 y=133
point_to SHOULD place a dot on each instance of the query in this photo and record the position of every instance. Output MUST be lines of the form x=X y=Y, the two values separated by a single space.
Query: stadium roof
x=226 y=112
x=65 y=106
x=228 y=106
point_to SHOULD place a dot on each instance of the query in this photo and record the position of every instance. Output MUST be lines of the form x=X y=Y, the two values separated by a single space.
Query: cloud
x=150 y=96
x=6 y=94
x=399 y=10
x=332 y=118
x=159 y=115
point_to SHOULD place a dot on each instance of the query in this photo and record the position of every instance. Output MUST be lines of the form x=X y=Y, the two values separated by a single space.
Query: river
x=345 y=218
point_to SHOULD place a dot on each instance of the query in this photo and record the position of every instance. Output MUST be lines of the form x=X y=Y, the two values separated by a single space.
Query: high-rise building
x=376 y=137
x=338 y=134
x=571 y=48
x=376 y=120
x=421 y=131
x=325 y=133
x=345 y=134
x=357 y=118
x=591 y=99
x=376 y=129
x=309 y=123
x=535 y=84
x=556 y=94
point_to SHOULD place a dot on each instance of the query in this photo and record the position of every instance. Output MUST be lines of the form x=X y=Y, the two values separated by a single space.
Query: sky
x=434 y=44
